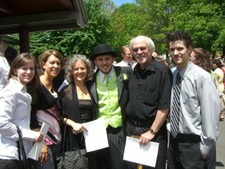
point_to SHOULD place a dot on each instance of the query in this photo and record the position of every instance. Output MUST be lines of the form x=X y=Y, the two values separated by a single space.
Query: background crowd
x=142 y=95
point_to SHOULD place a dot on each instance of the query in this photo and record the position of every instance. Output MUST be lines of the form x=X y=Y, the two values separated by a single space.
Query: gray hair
x=70 y=66
x=149 y=42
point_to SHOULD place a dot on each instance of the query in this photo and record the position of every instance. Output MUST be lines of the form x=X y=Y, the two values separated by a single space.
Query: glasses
x=140 y=48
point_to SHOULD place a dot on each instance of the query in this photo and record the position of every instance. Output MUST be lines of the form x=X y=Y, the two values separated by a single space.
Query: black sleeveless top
x=86 y=107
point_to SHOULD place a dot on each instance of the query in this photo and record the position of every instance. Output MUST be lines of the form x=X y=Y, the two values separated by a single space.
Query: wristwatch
x=152 y=131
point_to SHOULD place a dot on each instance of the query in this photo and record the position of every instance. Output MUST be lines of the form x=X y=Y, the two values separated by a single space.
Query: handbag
x=23 y=163
x=73 y=159
x=50 y=116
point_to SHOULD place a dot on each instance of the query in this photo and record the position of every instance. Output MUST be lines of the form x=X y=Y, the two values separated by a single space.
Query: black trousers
x=112 y=157
x=9 y=164
x=185 y=153
x=211 y=159
x=133 y=128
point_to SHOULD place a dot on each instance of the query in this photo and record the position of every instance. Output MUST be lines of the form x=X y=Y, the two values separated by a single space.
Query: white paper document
x=96 y=136
x=141 y=154
x=36 y=149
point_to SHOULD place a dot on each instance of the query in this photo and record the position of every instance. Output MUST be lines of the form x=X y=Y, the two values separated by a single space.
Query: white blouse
x=15 y=106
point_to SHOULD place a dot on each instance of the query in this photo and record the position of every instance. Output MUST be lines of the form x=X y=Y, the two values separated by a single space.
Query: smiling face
x=180 y=53
x=141 y=52
x=104 y=63
x=25 y=73
x=79 y=71
x=52 y=66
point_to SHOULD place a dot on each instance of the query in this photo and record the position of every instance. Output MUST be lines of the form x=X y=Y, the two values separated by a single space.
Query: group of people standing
x=145 y=101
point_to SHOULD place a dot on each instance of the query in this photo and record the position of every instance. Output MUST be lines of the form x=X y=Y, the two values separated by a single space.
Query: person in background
x=15 y=106
x=51 y=62
x=110 y=93
x=195 y=109
x=127 y=57
x=149 y=99
x=201 y=57
x=10 y=54
x=4 y=67
x=76 y=102
x=219 y=77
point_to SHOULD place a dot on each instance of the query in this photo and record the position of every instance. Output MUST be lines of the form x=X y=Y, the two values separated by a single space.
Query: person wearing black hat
x=110 y=93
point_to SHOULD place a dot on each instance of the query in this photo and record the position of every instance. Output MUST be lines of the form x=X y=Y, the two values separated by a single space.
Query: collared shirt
x=200 y=107
x=123 y=63
x=109 y=108
x=103 y=76
x=149 y=91
x=4 y=70
x=14 y=110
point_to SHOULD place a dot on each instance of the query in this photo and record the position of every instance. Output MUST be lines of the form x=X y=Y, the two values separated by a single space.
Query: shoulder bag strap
x=21 y=150
x=64 y=142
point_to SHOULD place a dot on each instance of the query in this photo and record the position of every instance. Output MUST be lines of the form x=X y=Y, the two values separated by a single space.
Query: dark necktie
x=176 y=107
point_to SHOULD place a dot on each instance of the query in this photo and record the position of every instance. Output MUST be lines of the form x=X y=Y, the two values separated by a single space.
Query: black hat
x=102 y=49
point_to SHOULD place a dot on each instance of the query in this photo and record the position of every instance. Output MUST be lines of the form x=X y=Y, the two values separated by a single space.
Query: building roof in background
x=40 y=15
x=9 y=39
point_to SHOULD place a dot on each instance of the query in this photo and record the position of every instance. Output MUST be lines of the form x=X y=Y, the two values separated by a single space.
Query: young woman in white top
x=219 y=77
x=15 y=106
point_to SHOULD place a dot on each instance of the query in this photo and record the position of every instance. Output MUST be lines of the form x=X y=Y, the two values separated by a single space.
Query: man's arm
x=160 y=118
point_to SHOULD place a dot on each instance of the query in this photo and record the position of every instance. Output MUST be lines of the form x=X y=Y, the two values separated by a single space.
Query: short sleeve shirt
x=150 y=90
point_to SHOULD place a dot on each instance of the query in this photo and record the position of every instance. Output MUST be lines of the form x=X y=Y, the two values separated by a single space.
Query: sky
x=120 y=2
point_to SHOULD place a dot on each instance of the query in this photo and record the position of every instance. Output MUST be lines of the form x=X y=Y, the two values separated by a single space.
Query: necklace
x=82 y=93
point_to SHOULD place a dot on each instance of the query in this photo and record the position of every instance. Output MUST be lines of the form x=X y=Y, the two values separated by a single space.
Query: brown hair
x=46 y=54
x=19 y=61
x=202 y=58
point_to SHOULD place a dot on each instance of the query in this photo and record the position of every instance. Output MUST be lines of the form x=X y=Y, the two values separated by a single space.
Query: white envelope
x=36 y=149
x=141 y=154
x=96 y=136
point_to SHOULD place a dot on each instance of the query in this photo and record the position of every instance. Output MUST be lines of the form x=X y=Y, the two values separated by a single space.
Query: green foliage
x=125 y=24
x=75 y=41
x=203 y=19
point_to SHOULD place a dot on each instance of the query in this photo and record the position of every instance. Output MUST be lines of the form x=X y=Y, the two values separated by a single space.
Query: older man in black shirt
x=149 y=100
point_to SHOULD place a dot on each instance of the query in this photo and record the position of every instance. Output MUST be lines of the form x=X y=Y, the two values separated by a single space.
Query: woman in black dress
x=76 y=102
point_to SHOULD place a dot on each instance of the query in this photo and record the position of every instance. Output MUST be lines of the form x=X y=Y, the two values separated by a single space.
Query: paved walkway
x=220 y=159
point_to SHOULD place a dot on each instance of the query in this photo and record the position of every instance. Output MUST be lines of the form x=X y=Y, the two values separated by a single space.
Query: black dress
x=80 y=111
x=85 y=107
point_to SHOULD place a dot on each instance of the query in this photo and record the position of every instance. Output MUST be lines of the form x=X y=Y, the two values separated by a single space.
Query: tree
x=156 y=16
x=203 y=19
x=76 y=41
x=126 y=23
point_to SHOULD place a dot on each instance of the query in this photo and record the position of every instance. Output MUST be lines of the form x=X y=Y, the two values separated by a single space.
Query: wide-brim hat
x=102 y=49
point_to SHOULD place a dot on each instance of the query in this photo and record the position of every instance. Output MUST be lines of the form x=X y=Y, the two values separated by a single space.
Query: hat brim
x=114 y=54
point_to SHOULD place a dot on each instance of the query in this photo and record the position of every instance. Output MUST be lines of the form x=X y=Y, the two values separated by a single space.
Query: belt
x=187 y=138
x=141 y=123
x=110 y=129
